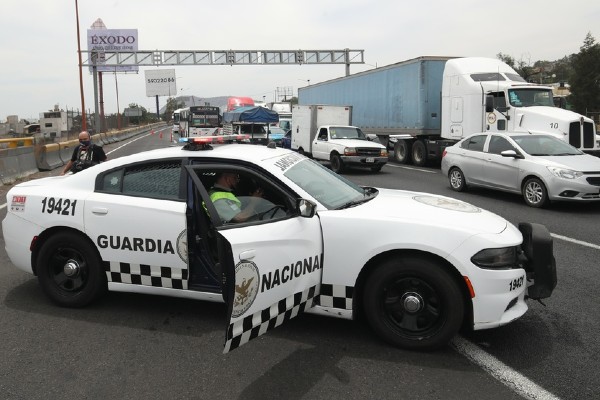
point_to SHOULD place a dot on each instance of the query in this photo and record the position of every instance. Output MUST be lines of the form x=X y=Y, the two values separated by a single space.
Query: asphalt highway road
x=148 y=347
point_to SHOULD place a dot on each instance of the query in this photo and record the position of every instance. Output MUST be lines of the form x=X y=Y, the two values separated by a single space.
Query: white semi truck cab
x=484 y=94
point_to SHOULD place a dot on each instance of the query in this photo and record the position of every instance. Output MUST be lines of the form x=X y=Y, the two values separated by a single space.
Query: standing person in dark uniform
x=84 y=155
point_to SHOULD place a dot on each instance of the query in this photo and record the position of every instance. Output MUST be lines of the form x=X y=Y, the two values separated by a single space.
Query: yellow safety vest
x=218 y=195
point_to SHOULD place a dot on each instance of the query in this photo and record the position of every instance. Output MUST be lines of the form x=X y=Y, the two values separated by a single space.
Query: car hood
x=553 y=112
x=356 y=143
x=429 y=209
x=581 y=162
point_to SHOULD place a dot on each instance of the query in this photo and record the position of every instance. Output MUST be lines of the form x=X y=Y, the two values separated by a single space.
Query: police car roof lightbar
x=214 y=139
x=204 y=142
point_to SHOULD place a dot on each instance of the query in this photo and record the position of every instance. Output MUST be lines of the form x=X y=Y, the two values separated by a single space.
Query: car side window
x=240 y=196
x=474 y=143
x=499 y=144
x=154 y=180
x=323 y=134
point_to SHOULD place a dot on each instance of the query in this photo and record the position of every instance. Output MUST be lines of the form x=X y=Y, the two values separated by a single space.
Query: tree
x=172 y=105
x=585 y=81
x=138 y=120
x=521 y=68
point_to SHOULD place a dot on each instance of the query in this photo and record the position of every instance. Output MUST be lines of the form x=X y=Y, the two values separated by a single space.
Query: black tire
x=457 y=181
x=337 y=165
x=419 y=153
x=402 y=149
x=413 y=303
x=70 y=270
x=535 y=193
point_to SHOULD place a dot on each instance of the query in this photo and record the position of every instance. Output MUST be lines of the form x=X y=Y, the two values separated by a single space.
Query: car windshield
x=346 y=132
x=327 y=187
x=542 y=145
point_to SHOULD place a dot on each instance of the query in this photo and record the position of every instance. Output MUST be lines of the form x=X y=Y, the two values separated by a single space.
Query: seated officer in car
x=227 y=204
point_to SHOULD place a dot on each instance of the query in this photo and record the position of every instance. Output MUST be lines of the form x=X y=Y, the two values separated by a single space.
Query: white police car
x=416 y=266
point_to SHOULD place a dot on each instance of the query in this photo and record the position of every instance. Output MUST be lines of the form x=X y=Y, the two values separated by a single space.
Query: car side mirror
x=307 y=208
x=510 y=153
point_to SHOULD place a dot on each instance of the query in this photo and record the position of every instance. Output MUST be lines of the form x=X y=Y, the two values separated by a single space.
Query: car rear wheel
x=413 y=303
x=337 y=165
x=535 y=193
x=69 y=270
x=457 y=180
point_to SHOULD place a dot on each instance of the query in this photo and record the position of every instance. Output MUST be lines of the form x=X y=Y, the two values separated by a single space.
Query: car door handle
x=247 y=255
x=99 y=210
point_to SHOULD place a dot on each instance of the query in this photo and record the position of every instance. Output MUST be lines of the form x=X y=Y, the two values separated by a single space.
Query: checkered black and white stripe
x=336 y=296
x=148 y=275
x=252 y=326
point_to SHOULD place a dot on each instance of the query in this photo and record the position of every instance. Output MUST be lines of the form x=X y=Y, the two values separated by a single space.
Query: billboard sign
x=160 y=82
x=122 y=40
x=133 y=112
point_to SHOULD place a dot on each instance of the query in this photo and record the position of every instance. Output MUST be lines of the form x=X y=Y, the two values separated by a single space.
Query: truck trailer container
x=420 y=106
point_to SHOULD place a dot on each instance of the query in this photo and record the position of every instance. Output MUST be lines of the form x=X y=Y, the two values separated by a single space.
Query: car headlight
x=502 y=258
x=565 y=173
x=350 y=151
x=383 y=153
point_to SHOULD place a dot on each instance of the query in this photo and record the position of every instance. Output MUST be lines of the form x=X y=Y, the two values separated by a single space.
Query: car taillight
x=444 y=153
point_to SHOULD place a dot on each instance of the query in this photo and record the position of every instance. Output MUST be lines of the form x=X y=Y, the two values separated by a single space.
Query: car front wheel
x=457 y=180
x=337 y=165
x=535 y=193
x=413 y=303
x=69 y=270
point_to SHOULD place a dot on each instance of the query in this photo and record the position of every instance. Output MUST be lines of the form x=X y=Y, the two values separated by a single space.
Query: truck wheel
x=413 y=303
x=337 y=165
x=402 y=149
x=535 y=193
x=457 y=180
x=419 y=153
x=70 y=271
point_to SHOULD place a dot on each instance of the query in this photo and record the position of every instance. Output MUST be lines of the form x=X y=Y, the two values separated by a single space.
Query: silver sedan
x=541 y=168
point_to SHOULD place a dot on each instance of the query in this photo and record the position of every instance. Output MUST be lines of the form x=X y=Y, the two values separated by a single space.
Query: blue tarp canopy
x=250 y=115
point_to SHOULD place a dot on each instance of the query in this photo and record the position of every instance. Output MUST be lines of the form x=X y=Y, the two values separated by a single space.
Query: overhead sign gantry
x=156 y=58
x=120 y=59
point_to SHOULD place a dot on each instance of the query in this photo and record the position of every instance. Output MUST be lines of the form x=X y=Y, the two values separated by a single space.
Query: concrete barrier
x=26 y=159
x=66 y=150
x=48 y=157
x=9 y=166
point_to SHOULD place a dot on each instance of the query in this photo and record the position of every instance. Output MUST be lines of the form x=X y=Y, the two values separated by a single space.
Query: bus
x=183 y=121
x=176 y=115
x=204 y=121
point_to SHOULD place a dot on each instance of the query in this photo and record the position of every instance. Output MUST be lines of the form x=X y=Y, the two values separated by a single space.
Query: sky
x=39 y=58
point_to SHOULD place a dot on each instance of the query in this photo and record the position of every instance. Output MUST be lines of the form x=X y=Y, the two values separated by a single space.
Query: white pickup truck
x=325 y=133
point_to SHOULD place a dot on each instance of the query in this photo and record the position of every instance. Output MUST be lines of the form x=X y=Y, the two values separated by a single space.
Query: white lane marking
x=411 y=168
x=568 y=239
x=131 y=141
x=502 y=372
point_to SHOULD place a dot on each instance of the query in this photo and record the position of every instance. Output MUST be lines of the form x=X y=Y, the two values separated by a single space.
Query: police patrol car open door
x=271 y=264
